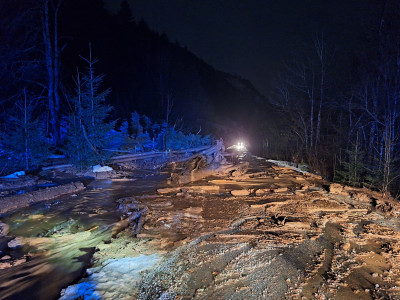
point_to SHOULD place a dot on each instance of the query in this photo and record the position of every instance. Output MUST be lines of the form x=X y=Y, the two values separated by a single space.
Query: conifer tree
x=88 y=132
x=23 y=141
x=353 y=169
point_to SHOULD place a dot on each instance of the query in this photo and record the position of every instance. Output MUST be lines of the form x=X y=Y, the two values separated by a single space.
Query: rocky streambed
x=47 y=246
x=256 y=230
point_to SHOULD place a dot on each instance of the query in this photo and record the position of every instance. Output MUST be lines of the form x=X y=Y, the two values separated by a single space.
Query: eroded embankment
x=22 y=200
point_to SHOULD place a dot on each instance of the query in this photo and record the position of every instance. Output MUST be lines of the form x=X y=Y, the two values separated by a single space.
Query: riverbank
x=18 y=201
x=57 y=238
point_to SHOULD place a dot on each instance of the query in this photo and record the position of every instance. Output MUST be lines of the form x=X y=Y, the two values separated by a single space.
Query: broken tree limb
x=134 y=220
x=130 y=157
x=191 y=150
x=198 y=166
x=153 y=154
x=65 y=166
x=178 y=151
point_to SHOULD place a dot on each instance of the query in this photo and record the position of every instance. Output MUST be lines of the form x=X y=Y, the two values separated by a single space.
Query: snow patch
x=85 y=290
x=98 y=169
x=15 y=175
x=114 y=279
x=56 y=156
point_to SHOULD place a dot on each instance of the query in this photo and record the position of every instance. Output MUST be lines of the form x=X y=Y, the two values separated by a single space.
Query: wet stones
x=4 y=228
x=172 y=190
x=195 y=189
x=261 y=192
x=240 y=193
x=201 y=189
x=8 y=262
x=15 y=243
x=281 y=190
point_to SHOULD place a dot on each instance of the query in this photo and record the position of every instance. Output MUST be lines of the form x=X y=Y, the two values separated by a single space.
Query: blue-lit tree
x=88 y=132
x=23 y=139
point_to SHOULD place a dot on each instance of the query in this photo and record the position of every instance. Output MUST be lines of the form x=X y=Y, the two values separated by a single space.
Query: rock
x=261 y=192
x=315 y=188
x=173 y=190
x=258 y=208
x=15 y=243
x=201 y=189
x=236 y=174
x=240 y=192
x=4 y=228
x=314 y=176
x=222 y=181
x=281 y=190
x=362 y=197
x=194 y=210
x=347 y=246
x=337 y=189
x=9 y=262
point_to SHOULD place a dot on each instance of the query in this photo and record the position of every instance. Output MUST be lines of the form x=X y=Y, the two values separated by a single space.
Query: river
x=58 y=238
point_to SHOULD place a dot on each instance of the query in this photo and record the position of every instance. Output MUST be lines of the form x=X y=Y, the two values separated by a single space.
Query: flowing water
x=60 y=237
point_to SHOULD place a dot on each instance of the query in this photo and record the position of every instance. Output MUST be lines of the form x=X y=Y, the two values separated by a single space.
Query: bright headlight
x=240 y=146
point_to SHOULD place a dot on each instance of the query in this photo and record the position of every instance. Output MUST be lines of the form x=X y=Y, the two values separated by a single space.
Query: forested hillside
x=56 y=50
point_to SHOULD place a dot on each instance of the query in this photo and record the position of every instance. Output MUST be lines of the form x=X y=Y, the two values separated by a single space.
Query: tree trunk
x=26 y=133
x=52 y=67
x=57 y=78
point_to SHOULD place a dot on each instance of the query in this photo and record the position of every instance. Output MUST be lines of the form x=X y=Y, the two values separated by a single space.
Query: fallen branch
x=123 y=224
x=57 y=167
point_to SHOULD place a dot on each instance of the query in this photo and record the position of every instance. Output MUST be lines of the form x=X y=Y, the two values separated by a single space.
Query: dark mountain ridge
x=148 y=73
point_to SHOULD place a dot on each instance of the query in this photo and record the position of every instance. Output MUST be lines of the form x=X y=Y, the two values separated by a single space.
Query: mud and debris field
x=271 y=233
x=254 y=230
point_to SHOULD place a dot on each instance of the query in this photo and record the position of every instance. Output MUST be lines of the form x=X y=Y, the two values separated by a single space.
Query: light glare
x=240 y=146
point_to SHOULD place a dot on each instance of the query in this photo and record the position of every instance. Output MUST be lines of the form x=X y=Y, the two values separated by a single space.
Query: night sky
x=253 y=38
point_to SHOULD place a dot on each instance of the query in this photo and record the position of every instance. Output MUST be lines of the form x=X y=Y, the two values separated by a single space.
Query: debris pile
x=271 y=233
x=200 y=165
